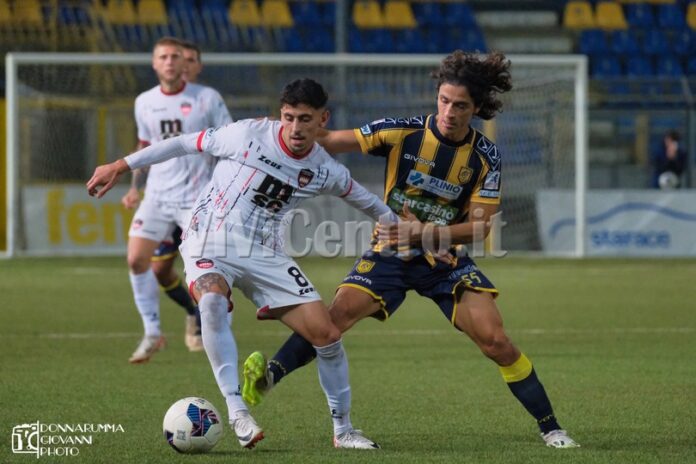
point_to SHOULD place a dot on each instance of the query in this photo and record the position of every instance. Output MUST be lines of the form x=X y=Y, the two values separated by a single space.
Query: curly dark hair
x=304 y=91
x=484 y=76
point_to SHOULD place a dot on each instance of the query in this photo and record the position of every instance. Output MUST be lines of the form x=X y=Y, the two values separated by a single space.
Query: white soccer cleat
x=559 y=439
x=193 y=338
x=247 y=431
x=354 y=439
x=149 y=345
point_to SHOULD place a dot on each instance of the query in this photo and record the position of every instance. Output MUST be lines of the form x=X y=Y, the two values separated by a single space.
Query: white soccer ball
x=192 y=425
x=668 y=180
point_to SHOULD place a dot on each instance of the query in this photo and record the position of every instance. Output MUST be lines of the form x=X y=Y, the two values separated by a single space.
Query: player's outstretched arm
x=338 y=141
x=105 y=176
x=360 y=198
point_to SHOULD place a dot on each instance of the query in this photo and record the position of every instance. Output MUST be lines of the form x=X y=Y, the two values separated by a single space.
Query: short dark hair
x=192 y=46
x=168 y=41
x=673 y=134
x=304 y=91
x=484 y=76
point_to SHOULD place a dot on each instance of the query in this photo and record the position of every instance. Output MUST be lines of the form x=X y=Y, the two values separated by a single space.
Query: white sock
x=146 y=296
x=221 y=349
x=332 y=364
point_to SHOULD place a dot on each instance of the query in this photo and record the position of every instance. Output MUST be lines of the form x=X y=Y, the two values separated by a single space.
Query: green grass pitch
x=612 y=340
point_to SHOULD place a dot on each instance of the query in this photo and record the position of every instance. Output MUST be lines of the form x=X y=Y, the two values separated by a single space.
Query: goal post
x=68 y=112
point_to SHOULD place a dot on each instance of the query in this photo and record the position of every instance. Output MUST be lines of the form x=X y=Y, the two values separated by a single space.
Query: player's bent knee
x=497 y=347
x=210 y=283
x=138 y=263
x=325 y=336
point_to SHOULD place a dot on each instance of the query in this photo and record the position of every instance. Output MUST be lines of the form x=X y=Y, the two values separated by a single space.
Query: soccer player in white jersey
x=171 y=108
x=265 y=169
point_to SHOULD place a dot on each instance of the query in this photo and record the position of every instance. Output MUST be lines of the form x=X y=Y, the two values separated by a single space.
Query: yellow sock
x=519 y=370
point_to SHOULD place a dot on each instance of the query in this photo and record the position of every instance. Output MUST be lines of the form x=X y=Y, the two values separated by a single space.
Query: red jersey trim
x=350 y=187
x=287 y=150
x=199 y=141
x=176 y=92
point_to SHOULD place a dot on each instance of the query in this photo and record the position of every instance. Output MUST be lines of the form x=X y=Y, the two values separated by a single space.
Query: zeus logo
x=272 y=194
x=269 y=162
x=170 y=128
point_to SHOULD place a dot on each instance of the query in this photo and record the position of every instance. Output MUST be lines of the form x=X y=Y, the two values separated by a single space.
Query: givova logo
x=43 y=439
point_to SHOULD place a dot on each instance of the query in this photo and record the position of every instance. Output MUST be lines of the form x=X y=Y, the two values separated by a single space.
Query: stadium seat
x=328 y=13
x=306 y=13
x=28 y=12
x=5 y=13
x=691 y=66
x=592 y=42
x=367 y=14
x=624 y=43
x=654 y=42
x=245 y=13
x=639 y=66
x=399 y=15
x=459 y=14
x=670 y=17
x=639 y=15
x=409 y=41
x=603 y=66
x=428 y=13
x=578 y=15
x=320 y=40
x=684 y=42
x=610 y=16
x=152 y=12
x=468 y=39
x=691 y=15
x=668 y=66
x=120 y=12
x=276 y=13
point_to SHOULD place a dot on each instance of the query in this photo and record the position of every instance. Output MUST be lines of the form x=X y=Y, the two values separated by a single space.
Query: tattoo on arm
x=139 y=178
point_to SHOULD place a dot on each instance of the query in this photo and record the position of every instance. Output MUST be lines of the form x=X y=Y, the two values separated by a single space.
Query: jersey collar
x=432 y=125
x=176 y=92
x=288 y=151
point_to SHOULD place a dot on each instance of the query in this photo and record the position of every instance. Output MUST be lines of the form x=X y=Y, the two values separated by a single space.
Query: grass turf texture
x=612 y=340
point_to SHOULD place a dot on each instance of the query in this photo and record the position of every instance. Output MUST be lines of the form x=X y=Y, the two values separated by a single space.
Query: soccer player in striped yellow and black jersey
x=444 y=178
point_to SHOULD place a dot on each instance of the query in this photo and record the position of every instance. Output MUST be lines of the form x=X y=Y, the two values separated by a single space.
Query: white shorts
x=267 y=278
x=156 y=220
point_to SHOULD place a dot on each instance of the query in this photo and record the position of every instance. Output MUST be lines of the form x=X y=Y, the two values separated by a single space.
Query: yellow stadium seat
x=28 y=11
x=152 y=12
x=578 y=15
x=5 y=13
x=276 y=13
x=398 y=14
x=244 y=13
x=610 y=15
x=691 y=16
x=120 y=12
x=367 y=14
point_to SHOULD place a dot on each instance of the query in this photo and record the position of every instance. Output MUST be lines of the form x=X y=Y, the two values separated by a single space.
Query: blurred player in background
x=175 y=106
x=235 y=238
x=449 y=175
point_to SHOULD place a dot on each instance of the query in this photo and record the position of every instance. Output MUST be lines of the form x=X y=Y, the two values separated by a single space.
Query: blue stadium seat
x=288 y=40
x=639 y=66
x=428 y=14
x=459 y=14
x=691 y=66
x=593 y=42
x=409 y=41
x=328 y=13
x=320 y=40
x=437 y=40
x=654 y=42
x=639 y=15
x=468 y=39
x=669 y=66
x=306 y=13
x=624 y=43
x=603 y=66
x=684 y=42
x=670 y=16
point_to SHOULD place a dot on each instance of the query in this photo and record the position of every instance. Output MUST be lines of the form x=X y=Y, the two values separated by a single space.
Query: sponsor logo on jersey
x=434 y=185
x=465 y=174
x=418 y=159
x=492 y=181
x=269 y=162
x=358 y=278
x=186 y=108
x=364 y=266
x=305 y=177
x=365 y=130
x=425 y=209
x=489 y=194
x=205 y=263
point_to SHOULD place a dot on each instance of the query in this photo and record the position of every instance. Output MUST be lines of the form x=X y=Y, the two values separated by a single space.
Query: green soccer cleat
x=255 y=380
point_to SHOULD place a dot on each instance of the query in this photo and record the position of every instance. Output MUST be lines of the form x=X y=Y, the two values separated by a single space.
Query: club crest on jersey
x=364 y=266
x=185 y=108
x=465 y=174
x=205 y=263
x=137 y=224
x=304 y=177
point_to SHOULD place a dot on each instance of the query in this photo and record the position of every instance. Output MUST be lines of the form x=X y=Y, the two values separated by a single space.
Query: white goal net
x=66 y=113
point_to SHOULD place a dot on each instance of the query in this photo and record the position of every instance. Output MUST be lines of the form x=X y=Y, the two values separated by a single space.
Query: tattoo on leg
x=210 y=283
